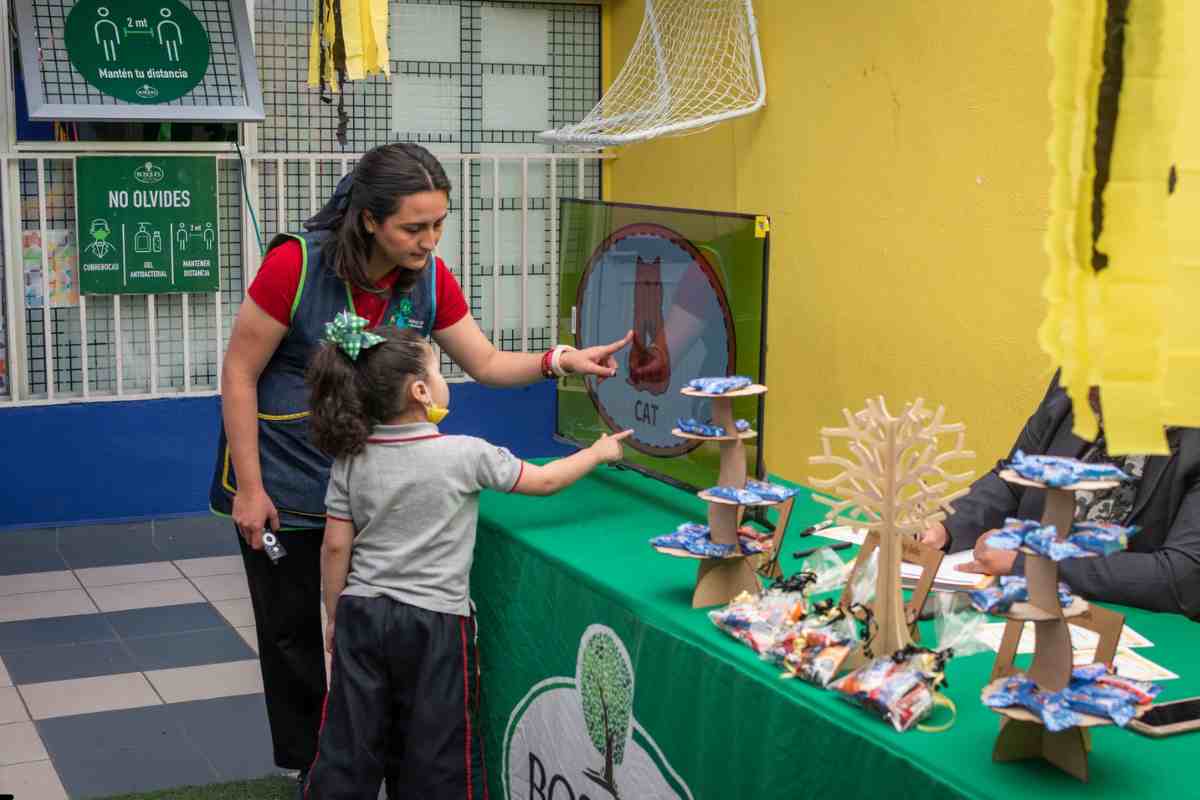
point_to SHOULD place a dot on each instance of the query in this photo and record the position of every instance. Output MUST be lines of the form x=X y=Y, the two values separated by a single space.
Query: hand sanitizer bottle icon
x=141 y=239
x=157 y=239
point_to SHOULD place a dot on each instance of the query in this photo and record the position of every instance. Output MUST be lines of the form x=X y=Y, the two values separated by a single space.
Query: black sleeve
x=1167 y=579
x=992 y=499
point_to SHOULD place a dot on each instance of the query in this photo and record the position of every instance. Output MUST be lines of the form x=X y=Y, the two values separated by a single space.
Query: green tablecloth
x=708 y=715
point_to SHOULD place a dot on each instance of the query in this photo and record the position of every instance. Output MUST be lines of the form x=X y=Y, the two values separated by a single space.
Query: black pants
x=291 y=645
x=403 y=705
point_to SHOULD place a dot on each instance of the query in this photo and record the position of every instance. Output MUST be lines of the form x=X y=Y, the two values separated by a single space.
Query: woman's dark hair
x=382 y=178
x=348 y=397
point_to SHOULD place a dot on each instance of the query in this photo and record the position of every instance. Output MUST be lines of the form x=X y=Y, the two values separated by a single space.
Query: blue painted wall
x=117 y=461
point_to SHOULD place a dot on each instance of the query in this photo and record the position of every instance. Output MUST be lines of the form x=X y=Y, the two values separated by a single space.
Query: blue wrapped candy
x=1057 y=471
x=720 y=385
x=693 y=538
x=1100 y=701
x=697 y=540
x=1101 y=538
x=770 y=491
x=1005 y=540
x=1012 y=589
x=1051 y=707
x=1088 y=673
x=1045 y=542
x=698 y=428
x=740 y=496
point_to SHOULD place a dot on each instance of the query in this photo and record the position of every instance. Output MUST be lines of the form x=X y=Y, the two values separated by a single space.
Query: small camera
x=272 y=547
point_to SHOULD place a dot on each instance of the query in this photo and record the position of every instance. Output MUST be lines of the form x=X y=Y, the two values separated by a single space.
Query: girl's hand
x=598 y=360
x=608 y=447
x=252 y=512
x=329 y=636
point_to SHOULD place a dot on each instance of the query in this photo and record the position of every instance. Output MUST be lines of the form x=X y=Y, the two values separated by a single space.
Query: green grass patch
x=274 y=788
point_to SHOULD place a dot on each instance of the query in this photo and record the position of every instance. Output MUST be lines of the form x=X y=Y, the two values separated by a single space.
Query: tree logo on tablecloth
x=605 y=682
x=576 y=738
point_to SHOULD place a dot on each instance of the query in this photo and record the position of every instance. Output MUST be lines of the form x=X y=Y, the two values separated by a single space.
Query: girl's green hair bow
x=349 y=332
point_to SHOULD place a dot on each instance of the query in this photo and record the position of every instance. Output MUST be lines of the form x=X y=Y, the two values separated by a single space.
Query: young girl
x=401 y=510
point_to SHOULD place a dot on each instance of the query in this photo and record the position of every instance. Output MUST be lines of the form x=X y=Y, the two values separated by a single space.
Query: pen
x=811 y=550
x=820 y=526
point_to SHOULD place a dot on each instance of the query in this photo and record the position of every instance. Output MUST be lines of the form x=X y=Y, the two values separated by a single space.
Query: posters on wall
x=62 y=258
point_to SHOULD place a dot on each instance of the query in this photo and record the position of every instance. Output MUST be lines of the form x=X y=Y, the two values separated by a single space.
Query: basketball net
x=695 y=63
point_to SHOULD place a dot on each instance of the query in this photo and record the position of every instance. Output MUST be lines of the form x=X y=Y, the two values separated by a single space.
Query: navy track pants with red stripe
x=403 y=706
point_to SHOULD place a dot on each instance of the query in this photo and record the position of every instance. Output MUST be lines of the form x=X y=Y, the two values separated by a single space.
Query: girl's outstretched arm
x=559 y=474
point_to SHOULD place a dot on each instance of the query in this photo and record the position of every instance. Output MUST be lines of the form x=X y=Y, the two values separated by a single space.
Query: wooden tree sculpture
x=894 y=484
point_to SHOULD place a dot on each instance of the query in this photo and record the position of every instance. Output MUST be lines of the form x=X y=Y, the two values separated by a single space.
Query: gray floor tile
x=88 y=546
x=120 y=752
x=233 y=734
x=31 y=633
x=195 y=537
x=189 y=649
x=33 y=550
x=165 y=620
x=67 y=662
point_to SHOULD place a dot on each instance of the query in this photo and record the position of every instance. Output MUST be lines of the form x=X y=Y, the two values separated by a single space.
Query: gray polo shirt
x=413 y=496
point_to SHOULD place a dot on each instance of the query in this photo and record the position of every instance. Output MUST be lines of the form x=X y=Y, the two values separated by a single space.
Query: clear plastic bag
x=863 y=590
x=956 y=623
x=830 y=570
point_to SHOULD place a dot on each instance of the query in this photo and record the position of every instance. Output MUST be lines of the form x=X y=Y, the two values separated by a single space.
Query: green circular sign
x=138 y=51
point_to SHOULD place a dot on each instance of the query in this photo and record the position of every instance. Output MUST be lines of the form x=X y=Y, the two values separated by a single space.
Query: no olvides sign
x=147 y=224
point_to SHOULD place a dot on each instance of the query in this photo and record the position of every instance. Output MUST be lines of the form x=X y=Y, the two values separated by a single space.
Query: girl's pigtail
x=339 y=423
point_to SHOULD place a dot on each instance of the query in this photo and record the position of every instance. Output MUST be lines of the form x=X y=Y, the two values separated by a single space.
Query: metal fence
x=500 y=241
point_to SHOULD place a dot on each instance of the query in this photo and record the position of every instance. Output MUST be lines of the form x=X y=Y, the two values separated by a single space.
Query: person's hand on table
x=989 y=560
x=252 y=512
x=598 y=360
x=935 y=536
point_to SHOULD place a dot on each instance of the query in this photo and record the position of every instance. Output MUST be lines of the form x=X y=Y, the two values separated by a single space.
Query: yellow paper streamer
x=1131 y=328
x=364 y=37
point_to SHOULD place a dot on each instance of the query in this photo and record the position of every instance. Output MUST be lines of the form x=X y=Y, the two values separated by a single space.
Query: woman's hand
x=329 y=635
x=608 y=447
x=935 y=536
x=989 y=560
x=598 y=360
x=252 y=512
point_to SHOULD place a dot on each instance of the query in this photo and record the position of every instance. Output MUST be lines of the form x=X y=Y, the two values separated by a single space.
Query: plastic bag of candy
x=898 y=687
x=759 y=621
x=1060 y=471
x=719 y=385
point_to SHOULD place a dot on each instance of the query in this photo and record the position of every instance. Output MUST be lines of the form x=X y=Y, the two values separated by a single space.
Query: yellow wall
x=902 y=158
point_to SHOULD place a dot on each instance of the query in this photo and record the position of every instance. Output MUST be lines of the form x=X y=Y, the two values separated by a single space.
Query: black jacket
x=1161 y=569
